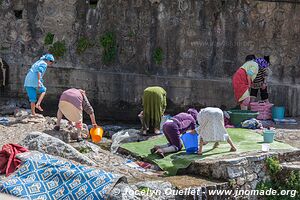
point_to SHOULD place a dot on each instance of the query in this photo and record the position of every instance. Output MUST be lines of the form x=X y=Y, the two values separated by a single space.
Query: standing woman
x=34 y=81
x=173 y=128
x=242 y=80
x=71 y=104
x=154 y=106
x=260 y=82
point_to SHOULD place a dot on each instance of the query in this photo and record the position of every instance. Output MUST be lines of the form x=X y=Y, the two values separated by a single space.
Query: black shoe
x=79 y=139
x=56 y=128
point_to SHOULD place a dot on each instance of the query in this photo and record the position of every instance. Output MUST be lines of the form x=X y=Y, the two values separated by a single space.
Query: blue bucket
x=190 y=142
x=278 y=112
x=268 y=136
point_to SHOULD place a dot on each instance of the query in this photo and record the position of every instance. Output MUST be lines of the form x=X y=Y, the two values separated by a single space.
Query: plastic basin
x=238 y=116
x=278 y=112
x=190 y=142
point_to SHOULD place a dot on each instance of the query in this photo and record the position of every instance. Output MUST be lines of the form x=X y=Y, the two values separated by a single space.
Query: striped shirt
x=260 y=78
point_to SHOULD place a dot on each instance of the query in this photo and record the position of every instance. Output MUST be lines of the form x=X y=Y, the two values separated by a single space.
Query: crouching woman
x=173 y=128
x=71 y=104
x=211 y=128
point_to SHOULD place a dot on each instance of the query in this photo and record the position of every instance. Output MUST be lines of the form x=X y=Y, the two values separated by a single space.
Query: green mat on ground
x=245 y=140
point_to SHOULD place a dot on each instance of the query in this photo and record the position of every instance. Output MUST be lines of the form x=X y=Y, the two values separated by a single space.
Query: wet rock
x=20 y=112
x=125 y=136
x=47 y=144
x=110 y=130
x=9 y=107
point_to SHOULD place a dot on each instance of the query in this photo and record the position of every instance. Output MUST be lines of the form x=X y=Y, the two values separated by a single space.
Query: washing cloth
x=8 y=161
x=4 y=121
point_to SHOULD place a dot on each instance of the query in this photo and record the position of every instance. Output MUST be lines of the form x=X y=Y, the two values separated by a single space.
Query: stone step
x=291 y=166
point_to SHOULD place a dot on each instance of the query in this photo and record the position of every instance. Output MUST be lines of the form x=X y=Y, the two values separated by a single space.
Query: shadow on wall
x=4 y=76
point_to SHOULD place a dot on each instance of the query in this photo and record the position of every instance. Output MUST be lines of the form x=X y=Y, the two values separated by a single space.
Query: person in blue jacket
x=34 y=81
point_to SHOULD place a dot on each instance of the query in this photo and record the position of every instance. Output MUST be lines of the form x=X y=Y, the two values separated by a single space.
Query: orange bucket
x=96 y=134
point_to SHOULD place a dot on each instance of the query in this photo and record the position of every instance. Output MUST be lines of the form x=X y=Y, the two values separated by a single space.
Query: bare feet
x=160 y=153
x=199 y=153
x=233 y=149
x=38 y=106
x=216 y=145
x=153 y=150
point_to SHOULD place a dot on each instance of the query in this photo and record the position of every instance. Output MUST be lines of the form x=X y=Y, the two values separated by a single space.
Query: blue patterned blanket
x=42 y=176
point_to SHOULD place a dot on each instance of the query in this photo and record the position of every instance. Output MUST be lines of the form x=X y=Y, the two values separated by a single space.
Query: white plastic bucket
x=265 y=147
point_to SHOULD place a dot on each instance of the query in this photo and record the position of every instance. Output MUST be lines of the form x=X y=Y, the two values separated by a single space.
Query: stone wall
x=243 y=172
x=203 y=42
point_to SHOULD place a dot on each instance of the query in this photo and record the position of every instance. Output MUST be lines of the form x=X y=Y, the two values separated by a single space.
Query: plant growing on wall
x=58 y=49
x=109 y=44
x=291 y=183
x=82 y=45
x=158 y=55
x=49 y=38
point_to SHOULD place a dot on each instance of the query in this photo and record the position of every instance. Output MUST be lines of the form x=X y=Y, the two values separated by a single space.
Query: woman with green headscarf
x=154 y=106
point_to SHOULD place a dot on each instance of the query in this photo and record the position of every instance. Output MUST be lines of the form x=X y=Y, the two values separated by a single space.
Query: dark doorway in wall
x=4 y=76
x=18 y=14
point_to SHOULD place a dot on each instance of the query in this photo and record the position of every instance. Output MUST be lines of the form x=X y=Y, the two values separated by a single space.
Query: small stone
x=258 y=168
x=253 y=184
x=240 y=181
x=234 y=172
x=251 y=177
x=261 y=174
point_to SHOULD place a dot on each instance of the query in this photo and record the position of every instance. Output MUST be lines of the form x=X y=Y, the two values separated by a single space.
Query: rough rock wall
x=203 y=42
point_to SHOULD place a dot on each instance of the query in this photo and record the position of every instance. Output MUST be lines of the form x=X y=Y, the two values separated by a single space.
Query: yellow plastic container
x=96 y=134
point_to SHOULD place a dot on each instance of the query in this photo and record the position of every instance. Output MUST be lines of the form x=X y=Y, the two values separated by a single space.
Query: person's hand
x=95 y=125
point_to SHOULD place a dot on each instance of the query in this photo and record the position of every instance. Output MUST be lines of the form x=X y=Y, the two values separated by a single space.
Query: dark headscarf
x=262 y=63
x=193 y=112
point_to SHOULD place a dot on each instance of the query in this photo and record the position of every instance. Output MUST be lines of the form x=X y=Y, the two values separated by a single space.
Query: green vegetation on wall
x=83 y=44
x=291 y=183
x=58 y=49
x=109 y=44
x=49 y=39
x=158 y=55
